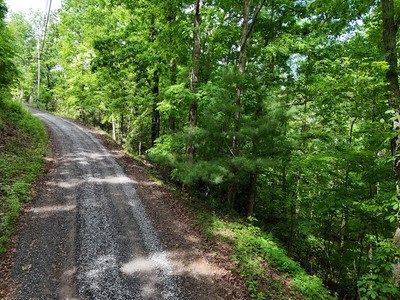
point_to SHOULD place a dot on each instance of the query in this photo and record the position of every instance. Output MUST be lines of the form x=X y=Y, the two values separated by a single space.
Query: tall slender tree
x=195 y=73
x=390 y=25
x=248 y=24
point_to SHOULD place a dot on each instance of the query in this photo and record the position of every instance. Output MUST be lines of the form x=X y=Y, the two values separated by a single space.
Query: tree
x=8 y=71
x=246 y=32
x=25 y=41
x=288 y=113
x=390 y=28
x=195 y=73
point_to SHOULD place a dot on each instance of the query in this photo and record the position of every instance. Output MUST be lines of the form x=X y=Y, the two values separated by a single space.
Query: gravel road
x=87 y=234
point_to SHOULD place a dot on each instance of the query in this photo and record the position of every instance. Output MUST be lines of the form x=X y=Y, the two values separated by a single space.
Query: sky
x=24 y=5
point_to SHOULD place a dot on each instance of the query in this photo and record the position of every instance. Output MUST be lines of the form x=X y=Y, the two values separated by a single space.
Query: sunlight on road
x=54 y=208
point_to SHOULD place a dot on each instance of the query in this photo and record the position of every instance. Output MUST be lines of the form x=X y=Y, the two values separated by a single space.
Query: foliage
x=375 y=285
x=293 y=123
x=268 y=271
x=24 y=141
x=8 y=70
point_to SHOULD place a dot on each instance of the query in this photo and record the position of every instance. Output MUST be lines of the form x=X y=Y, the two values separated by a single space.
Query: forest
x=283 y=111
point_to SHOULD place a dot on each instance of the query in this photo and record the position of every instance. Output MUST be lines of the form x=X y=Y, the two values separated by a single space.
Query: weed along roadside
x=259 y=259
x=23 y=144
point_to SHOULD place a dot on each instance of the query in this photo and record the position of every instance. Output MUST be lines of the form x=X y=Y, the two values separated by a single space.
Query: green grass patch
x=22 y=148
x=260 y=260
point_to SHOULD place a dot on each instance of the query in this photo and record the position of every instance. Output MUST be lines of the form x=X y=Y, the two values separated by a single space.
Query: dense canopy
x=286 y=111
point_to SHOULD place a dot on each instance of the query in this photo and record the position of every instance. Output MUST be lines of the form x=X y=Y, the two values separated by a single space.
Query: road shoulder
x=7 y=285
x=202 y=265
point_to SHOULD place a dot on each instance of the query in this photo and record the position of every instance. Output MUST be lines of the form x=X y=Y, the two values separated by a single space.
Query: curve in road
x=87 y=234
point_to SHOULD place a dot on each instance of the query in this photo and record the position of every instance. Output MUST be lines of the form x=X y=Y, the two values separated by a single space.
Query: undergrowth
x=258 y=257
x=268 y=271
x=23 y=142
x=264 y=264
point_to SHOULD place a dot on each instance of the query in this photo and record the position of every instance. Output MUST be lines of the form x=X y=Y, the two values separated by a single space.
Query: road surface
x=87 y=234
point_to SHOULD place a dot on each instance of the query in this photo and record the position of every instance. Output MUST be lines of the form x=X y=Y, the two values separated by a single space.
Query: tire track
x=116 y=253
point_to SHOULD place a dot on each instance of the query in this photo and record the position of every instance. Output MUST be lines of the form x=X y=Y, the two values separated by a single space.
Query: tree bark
x=390 y=29
x=242 y=62
x=252 y=194
x=196 y=52
x=122 y=130
x=31 y=96
x=155 y=118
x=22 y=94
x=173 y=79
x=195 y=74
x=246 y=32
x=114 y=129
x=171 y=19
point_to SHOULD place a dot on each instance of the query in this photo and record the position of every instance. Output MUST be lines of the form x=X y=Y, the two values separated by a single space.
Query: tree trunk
x=48 y=69
x=195 y=74
x=252 y=194
x=122 y=131
x=22 y=94
x=241 y=63
x=196 y=52
x=390 y=29
x=389 y=42
x=114 y=129
x=140 y=148
x=232 y=191
x=155 y=118
x=172 y=21
x=173 y=79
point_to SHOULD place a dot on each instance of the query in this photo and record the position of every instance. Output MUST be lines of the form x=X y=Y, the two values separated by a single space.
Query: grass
x=23 y=143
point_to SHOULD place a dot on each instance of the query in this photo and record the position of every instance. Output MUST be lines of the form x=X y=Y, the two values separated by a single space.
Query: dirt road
x=87 y=234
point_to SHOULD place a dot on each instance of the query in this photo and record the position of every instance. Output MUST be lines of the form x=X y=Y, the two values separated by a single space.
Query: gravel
x=87 y=235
